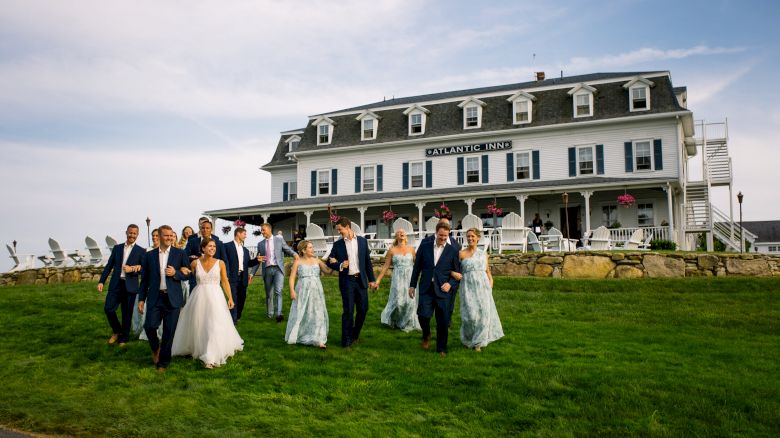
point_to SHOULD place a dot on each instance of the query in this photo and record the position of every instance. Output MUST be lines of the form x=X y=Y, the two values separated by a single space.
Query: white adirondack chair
x=356 y=229
x=403 y=224
x=473 y=221
x=599 y=239
x=95 y=254
x=58 y=257
x=512 y=234
x=21 y=262
x=533 y=242
x=554 y=240
x=319 y=242
x=645 y=245
x=634 y=240
x=430 y=225
x=111 y=243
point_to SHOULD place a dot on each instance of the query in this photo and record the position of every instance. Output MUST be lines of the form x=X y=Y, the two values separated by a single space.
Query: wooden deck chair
x=21 y=262
x=634 y=240
x=512 y=234
x=403 y=224
x=533 y=243
x=95 y=254
x=599 y=239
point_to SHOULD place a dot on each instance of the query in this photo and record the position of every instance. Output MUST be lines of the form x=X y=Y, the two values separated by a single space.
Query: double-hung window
x=522 y=113
x=585 y=160
x=639 y=101
x=292 y=188
x=523 y=165
x=609 y=215
x=472 y=116
x=323 y=136
x=323 y=182
x=583 y=104
x=643 y=155
x=472 y=170
x=368 y=129
x=645 y=215
x=369 y=178
x=416 y=174
x=415 y=124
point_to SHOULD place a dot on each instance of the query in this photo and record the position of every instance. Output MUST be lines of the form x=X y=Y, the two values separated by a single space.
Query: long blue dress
x=401 y=311
x=308 y=319
x=480 y=323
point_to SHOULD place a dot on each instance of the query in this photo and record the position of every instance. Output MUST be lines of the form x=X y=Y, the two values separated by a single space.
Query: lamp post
x=565 y=197
x=148 y=231
x=741 y=230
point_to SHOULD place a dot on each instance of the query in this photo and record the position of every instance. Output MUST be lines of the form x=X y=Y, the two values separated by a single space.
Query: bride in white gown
x=205 y=330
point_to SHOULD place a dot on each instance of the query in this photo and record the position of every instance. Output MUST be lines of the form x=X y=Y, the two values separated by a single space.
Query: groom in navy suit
x=435 y=261
x=163 y=269
x=351 y=257
x=237 y=263
x=125 y=261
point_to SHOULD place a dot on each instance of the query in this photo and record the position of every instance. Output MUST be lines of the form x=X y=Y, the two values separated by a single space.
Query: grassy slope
x=580 y=357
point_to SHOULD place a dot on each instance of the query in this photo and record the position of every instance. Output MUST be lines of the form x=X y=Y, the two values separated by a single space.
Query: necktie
x=267 y=252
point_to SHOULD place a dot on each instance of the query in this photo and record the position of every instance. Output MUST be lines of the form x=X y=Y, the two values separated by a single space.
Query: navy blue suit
x=238 y=278
x=454 y=243
x=193 y=251
x=121 y=292
x=354 y=289
x=162 y=307
x=431 y=299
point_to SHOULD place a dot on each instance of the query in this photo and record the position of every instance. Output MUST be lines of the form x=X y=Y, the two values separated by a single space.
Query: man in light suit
x=237 y=263
x=270 y=252
x=125 y=261
x=163 y=269
x=193 y=245
x=435 y=262
x=351 y=257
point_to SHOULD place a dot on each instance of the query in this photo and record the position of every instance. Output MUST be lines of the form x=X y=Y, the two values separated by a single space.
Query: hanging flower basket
x=333 y=216
x=257 y=232
x=492 y=208
x=389 y=216
x=442 y=211
x=226 y=229
x=626 y=200
x=239 y=223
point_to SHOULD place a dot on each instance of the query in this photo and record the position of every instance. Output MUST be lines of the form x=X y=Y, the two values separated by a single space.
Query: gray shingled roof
x=551 y=107
x=767 y=231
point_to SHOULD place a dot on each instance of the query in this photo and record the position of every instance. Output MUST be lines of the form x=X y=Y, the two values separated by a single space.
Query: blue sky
x=112 y=111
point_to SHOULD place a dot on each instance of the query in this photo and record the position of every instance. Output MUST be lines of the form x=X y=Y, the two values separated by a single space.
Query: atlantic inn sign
x=469 y=148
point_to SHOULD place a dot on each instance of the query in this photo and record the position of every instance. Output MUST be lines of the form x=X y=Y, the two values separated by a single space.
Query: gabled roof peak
x=471 y=99
x=416 y=107
x=582 y=86
x=521 y=95
x=367 y=113
x=638 y=79
x=323 y=119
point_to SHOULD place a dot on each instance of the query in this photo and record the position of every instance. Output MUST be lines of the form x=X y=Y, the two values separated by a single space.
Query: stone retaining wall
x=597 y=264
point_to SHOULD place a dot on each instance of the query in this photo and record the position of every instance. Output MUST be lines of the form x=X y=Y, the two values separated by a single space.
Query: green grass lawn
x=608 y=358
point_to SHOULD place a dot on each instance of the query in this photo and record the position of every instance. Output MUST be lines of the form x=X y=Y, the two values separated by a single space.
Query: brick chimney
x=540 y=76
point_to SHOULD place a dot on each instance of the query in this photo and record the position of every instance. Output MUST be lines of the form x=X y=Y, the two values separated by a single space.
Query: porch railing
x=622 y=234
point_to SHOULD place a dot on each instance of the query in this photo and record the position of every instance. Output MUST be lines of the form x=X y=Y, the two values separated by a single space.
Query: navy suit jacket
x=431 y=276
x=231 y=264
x=115 y=264
x=339 y=252
x=150 y=280
x=193 y=247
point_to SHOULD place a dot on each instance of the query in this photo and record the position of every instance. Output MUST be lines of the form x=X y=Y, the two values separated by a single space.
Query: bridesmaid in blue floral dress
x=400 y=311
x=308 y=320
x=480 y=323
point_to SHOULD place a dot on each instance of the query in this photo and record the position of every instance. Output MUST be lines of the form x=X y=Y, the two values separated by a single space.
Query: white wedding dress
x=205 y=330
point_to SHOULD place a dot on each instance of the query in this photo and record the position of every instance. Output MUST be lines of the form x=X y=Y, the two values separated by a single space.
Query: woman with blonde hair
x=186 y=232
x=308 y=320
x=480 y=324
x=401 y=310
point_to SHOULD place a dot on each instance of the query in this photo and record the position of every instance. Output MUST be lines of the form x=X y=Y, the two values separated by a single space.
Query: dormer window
x=472 y=113
x=293 y=143
x=638 y=93
x=324 y=129
x=582 y=98
x=369 y=123
x=522 y=104
x=417 y=118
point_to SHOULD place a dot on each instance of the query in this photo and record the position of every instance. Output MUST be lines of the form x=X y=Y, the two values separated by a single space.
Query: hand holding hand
x=128 y=269
x=373 y=285
x=332 y=260
x=411 y=292
x=445 y=287
x=170 y=271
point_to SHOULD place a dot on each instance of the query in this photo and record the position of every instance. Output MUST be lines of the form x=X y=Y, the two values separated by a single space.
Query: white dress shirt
x=163 y=265
x=352 y=255
x=240 y=252
x=125 y=255
x=438 y=250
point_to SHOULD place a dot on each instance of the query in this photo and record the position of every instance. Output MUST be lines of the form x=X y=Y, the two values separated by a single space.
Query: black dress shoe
x=279 y=318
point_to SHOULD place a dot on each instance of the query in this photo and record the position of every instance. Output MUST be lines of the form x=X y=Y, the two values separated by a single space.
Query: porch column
x=420 y=219
x=587 y=195
x=670 y=209
x=469 y=202
x=522 y=199
x=308 y=214
x=362 y=211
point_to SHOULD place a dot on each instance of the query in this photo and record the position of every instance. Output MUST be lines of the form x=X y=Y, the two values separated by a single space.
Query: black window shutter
x=405 y=175
x=510 y=167
x=659 y=154
x=313 y=183
x=600 y=159
x=285 y=191
x=429 y=174
x=484 y=169
x=460 y=171
x=629 y=152
x=573 y=161
x=379 y=177
x=357 y=179
x=535 y=160
x=335 y=178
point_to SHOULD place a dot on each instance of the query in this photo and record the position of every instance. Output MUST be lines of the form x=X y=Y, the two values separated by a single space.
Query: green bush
x=660 y=244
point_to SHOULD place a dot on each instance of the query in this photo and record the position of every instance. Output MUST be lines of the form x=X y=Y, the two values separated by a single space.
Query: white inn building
x=594 y=137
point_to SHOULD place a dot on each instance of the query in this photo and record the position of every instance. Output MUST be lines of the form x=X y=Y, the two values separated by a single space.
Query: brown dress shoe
x=161 y=370
x=443 y=354
x=426 y=343
x=113 y=339
x=156 y=356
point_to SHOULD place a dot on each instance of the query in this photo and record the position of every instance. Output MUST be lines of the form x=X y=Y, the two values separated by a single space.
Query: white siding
x=278 y=178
